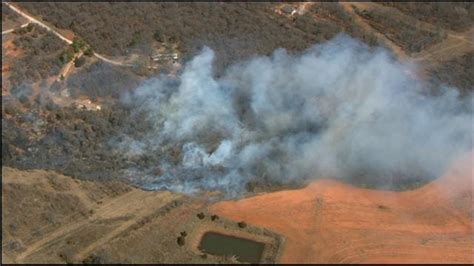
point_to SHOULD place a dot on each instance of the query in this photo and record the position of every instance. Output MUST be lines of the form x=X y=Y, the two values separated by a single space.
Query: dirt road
x=68 y=41
x=11 y=30
x=113 y=210
x=454 y=45
x=397 y=50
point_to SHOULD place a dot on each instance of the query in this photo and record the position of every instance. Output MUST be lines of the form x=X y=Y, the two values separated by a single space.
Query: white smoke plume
x=338 y=110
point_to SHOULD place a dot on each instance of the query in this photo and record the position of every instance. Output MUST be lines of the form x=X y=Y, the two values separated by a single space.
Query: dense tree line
x=333 y=13
x=405 y=33
x=39 y=58
x=8 y=14
x=458 y=72
x=457 y=16
x=234 y=30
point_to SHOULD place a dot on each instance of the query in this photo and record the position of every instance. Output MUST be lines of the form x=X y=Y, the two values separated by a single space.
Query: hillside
x=330 y=222
x=113 y=153
x=66 y=220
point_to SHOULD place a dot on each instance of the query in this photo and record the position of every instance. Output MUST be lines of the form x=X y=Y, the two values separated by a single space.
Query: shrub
x=66 y=56
x=159 y=37
x=181 y=240
x=77 y=44
x=201 y=215
x=242 y=224
x=80 y=61
x=88 y=51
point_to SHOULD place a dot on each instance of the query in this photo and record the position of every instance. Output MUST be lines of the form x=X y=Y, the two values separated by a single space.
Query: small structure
x=87 y=105
x=162 y=57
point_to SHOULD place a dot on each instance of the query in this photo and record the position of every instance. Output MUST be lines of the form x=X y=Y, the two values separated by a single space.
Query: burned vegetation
x=70 y=140
x=89 y=81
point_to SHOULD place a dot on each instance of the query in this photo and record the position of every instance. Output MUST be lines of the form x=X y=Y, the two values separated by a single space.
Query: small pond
x=245 y=250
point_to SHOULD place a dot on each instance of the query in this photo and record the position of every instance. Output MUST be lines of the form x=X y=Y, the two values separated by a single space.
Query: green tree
x=66 y=56
x=77 y=44
x=88 y=51
x=159 y=37
x=78 y=62
x=30 y=26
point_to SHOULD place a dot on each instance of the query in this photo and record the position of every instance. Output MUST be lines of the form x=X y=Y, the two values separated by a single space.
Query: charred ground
x=38 y=133
x=69 y=220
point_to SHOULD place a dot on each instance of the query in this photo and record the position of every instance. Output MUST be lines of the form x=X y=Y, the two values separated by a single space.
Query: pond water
x=245 y=250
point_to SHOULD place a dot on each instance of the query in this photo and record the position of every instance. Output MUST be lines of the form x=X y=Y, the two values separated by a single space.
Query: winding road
x=466 y=39
x=62 y=37
x=453 y=45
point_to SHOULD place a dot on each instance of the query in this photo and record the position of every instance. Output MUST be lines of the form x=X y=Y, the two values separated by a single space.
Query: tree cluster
x=39 y=58
x=457 y=16
x=235 y=31
x=405 y=33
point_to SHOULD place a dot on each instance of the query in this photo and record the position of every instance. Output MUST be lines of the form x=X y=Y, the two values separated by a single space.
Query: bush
x=88 y=51
x=201 y=215
x=30 y=27
x=233 y=30
x=242 y=224
x=24 y=99
x=457 y=16
x=402 y=32
x=181 y=240
x=93 y=259
x=66 y=56
x=40 y=58
x=78 y=62
x=77 y=44
x=159 y=37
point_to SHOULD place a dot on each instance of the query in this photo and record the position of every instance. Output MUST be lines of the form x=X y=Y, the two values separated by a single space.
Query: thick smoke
x=337 y=110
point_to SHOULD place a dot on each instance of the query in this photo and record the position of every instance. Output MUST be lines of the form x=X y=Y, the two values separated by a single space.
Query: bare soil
x=48 y=217
x=330 y=222
x=51 y=218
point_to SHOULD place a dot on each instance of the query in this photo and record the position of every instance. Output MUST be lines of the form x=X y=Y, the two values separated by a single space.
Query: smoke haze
x=336 y=110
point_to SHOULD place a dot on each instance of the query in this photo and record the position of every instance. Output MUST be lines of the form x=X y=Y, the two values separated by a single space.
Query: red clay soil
x=333 y=222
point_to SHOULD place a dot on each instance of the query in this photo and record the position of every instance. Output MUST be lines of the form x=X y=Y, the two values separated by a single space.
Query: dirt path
x=68 y=228
x=454 y=45
x=67 y=40
x=419 y=24
x=397 y=50
x=439 y=52
x=33 y=20
x=11 y=30
x=136 y=204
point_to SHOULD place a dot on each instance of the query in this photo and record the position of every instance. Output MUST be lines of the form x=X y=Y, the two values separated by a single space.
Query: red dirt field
x=333 y=222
